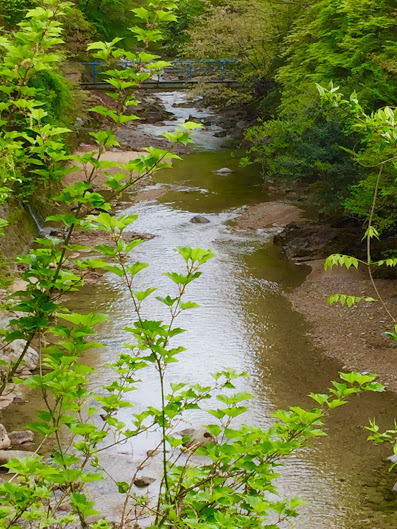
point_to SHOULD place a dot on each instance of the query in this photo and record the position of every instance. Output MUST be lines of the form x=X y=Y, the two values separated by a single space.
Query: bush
x=55 y=93
x=311 y=149
x=12 y=11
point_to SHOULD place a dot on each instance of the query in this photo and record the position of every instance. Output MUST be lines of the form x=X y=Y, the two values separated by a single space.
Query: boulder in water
x=199 y=219
x=224 y=171
x=196 y=437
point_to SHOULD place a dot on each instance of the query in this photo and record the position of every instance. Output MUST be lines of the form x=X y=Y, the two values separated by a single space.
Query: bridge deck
x=164 y=85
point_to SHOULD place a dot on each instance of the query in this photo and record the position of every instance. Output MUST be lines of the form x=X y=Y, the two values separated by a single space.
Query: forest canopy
x=285 y=48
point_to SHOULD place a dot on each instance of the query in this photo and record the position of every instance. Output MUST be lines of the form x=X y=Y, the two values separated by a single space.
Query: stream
x=245 y=322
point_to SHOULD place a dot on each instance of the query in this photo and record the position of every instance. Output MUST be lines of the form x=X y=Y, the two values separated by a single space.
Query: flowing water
x=246 y=322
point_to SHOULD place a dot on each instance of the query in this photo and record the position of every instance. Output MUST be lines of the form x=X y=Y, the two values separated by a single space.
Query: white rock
x=224 y=170
x=11 y=352
x=19 y=284
x=4 y=439
x=6 y=400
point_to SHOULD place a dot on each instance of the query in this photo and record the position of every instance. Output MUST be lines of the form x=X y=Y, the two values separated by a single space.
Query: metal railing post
x=94 y=71
x=222 y=69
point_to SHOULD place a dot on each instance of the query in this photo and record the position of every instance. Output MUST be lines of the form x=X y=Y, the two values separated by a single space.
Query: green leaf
x=123 y=487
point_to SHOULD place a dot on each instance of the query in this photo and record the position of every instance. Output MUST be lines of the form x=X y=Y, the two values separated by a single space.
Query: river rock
x=21 y=438
x=221 y=134
x=12 y=351
x=223 y=171
x=19 y=285
x=6 y=455
x=199 y=219
x=197 y=437
x=143 y=482
x=394 y=489
x=187 y=432
x=4 y=438
x=19 y=398
x=309 y=240
x=65 y=507
x=6 y=400
x=242 y=124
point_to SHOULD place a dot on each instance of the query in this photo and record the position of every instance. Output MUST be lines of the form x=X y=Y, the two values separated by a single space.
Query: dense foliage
x=286 y=48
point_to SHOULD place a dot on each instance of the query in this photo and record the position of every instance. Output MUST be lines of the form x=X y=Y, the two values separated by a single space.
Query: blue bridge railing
x=179 y=70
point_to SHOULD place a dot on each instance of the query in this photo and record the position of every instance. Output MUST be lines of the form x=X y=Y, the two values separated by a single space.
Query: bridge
x=181 y=74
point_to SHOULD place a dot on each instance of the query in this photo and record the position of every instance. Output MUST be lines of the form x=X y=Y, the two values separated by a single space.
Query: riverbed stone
x=199 y=219
x=143 y=482
x=224 y=171
x=19 y=398
x=4 y=438
x=6 y=400
x=304 y=239
x=197 y=437
x=6 y=455
x=221 y=134
x=242 y=124
x=21 y=438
